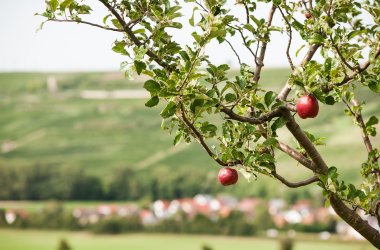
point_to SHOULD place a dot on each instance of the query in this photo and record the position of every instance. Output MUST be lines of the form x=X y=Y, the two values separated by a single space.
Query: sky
x=76 y=47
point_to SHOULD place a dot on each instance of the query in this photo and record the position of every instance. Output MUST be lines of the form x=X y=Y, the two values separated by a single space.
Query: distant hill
x=45 y=119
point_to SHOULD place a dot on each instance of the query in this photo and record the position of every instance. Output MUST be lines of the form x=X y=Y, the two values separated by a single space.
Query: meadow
x=48 y=240
x=102 y=135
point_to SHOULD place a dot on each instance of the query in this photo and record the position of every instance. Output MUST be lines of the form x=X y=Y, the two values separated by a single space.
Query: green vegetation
x=106 y=138
x=47 y=240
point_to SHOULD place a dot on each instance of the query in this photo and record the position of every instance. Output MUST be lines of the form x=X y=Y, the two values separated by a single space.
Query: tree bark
x=355 y=221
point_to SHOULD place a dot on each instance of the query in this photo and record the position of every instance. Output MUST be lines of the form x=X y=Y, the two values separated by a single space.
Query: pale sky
x=75 y=47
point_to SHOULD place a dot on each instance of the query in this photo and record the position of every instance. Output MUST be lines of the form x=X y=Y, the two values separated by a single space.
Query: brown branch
x=347 y=214
x=305 y=142
x=235 y=52
x=246 y=11
x=355 y=221
x=85 y=22
x=356 y=72
x=297 y=156
x=261 y=55
x=246 y=44
x=263 y=118
x=289 y=41
x=295 y=184
x=340 y=54
x=201 y=140
x=309 y=55
x=311 y=4
x=132 y=36
x=359 y=119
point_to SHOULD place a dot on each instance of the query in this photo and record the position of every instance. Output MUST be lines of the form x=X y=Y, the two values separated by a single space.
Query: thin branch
x=356 y=72
x=246 y=11
x=263 y=118
x=132 y=36
x=311 y=4
x=201 y=140
x=289 y=41
x=84 y=22
x=309 y=55
x=295 y=184
x=233 y=49
x=359 y=119
x=330 y=8
x=200 y=5
x=246 y=44
x=302 y=159
x=261 y=55
x=340 y=54
x=297 y=156
x=182 y=85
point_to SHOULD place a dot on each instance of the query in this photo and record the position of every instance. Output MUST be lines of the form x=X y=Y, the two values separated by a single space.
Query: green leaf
x=269 y=97
x=54 y=4
x=177 y=138
x=195 y=104
x=316 y=39
x=152 y=101
x=373 y=120
x=152 y=86
x=270 y=142
x=329 y=100
x=116 y=23
x=297 y=25
x=65 y=4
x=230 y=97
x=356 y=33
x=139 y=66
x=119 y=47
x=278 y=123
x=169 y=110
x=332 y=173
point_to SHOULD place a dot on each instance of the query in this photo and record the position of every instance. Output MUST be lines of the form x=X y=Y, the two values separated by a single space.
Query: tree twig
x=261 y=55
x=263 y=118
x=201 y=140
x=295 y=184
x=357 y=71
x=85 y=22
x=289 y=41
x=340 y=54
x=132 y=36
x=309 y=55
x=235 y=52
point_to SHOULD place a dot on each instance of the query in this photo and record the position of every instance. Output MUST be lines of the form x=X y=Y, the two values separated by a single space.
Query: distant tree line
x=44 y=182
x=55 y=216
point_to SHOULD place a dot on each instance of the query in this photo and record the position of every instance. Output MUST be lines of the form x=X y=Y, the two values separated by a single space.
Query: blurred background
x=85 y=165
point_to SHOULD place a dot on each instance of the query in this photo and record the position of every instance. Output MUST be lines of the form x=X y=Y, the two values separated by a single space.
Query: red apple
x=307 y=15
x=227 y=176
x=307 y=107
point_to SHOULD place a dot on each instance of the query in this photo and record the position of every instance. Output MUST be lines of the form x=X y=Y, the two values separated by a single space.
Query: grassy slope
x=44 y=240
x=101 y=135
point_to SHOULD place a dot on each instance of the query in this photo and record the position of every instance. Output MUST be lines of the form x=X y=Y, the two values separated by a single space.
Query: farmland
x=63 y=129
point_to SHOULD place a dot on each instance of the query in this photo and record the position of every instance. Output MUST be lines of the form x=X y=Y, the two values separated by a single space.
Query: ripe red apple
x=227 y=176
x=307 y=106
x=307 y=15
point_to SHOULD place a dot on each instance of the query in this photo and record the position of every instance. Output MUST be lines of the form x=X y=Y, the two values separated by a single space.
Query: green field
x=62 y=129
x=47 y=240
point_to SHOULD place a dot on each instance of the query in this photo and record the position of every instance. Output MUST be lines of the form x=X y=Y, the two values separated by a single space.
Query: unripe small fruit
x=307 y=106
x=227 y=176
